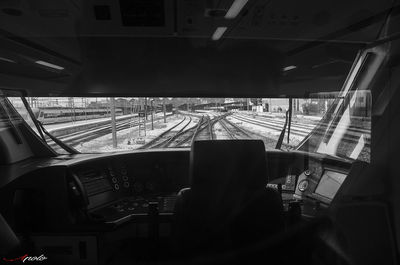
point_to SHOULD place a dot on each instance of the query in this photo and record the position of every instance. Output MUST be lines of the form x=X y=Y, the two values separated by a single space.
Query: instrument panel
x=120 y=187
x=113 y=188
x=319 y=182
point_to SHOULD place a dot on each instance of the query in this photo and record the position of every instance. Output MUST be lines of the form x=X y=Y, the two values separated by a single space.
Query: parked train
x=58 y=114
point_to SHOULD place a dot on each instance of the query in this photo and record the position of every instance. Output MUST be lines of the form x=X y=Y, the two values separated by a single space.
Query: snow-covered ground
x=127 y=138
x=281 y=115
x=264 y=132
x=64 y=125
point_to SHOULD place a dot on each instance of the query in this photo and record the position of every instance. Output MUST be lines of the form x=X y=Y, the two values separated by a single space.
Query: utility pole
x=113 y=123
x=152 y=118
x=165 y=118
x=73 y=109
x=145 y=108
x=84 y=105
x=141 y=125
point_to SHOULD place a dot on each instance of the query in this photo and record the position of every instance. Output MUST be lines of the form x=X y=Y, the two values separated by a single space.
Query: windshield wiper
x=42 y=130
x=63 y=145
x=288 y=121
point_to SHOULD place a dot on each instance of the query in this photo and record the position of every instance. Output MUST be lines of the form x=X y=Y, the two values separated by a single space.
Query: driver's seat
x=228 y=204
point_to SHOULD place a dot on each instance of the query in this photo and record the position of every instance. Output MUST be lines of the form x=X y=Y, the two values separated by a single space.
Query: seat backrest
x=225 y=166
x=228 y=200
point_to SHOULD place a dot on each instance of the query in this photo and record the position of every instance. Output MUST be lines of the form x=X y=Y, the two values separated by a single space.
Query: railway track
x=76 y=138
x=185 y=137
x=301 y=129
x=203 y=131
x=169 y=135
x=234 y=131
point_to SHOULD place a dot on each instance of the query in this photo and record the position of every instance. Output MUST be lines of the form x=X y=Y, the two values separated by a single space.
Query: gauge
x=116 y=187
x=125 y=178
x=126 y=184
x=303 y=185
x=114 y=180
x=307 y=172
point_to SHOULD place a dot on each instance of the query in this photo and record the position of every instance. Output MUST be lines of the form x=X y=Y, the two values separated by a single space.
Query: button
x=125 y=178
x=307 y=172
x=126 y=184
x=116 y=186
x=114 y=180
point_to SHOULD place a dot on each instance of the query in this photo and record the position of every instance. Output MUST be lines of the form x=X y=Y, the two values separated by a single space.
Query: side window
x=20 y=108
x=23 y=112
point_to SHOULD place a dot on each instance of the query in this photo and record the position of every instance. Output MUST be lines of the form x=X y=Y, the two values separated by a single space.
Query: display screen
x=330 y=183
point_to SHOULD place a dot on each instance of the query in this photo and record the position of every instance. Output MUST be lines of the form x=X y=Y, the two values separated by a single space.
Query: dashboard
x=311 y=182
x=320 y=181
x=119 y=188
x=113 y=189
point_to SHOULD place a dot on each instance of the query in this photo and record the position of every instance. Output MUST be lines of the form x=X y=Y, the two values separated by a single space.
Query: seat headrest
x=233 y=164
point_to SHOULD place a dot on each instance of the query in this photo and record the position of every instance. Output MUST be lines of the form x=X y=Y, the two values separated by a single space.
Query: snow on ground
x=63 y=125
x=262 y=132
x=127 y=137
x=281 y=115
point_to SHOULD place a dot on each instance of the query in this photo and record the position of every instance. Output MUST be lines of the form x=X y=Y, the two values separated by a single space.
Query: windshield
x=118 y=124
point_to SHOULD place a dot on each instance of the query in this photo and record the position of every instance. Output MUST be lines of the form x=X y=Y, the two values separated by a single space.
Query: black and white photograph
x=200 y=132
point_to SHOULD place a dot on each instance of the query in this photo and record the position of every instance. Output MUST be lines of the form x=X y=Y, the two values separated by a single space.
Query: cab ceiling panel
x=48 y=24
x=127 y=18
x=340 y=20
x=176 y=67
x=25 y=67
x=313 y=19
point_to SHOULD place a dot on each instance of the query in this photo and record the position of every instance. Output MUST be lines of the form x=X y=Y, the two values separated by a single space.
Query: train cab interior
x=332 y=199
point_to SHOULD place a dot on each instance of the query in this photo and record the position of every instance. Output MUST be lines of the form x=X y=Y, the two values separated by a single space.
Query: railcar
x=59 y=115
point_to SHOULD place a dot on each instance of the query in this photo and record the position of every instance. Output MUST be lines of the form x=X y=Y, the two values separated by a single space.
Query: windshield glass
x=117 y=124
